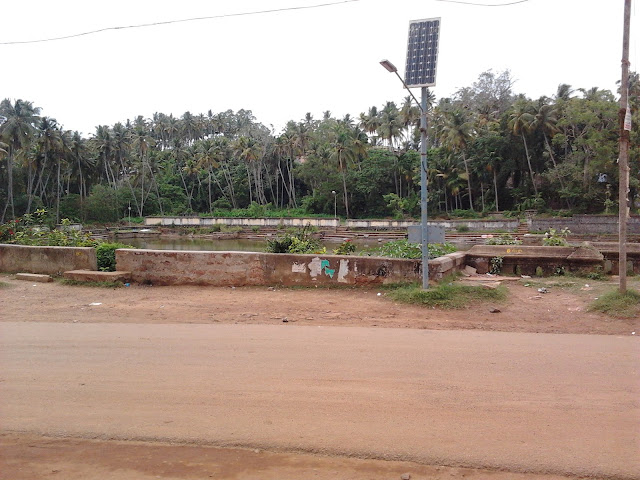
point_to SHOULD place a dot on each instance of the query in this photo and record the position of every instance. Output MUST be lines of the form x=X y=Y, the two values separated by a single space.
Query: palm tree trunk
x=526 y=151
x=495 y=188
x=58 y=192
x=9 y=188
x=466 y=169
x=346 y=196
x=210 y=207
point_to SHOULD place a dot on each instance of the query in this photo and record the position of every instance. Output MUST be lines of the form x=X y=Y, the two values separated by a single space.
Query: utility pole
x=623 y=159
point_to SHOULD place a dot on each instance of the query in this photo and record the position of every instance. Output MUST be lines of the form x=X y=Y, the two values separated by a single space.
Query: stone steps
x=96 y=276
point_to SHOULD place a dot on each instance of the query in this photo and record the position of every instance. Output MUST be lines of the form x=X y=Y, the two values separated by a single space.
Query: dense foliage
x=38 y=229
x=490 y=149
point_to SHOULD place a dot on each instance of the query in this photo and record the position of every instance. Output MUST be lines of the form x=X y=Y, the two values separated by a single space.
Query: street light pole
x=423 y=189
x=390 y=67
x=335 y=209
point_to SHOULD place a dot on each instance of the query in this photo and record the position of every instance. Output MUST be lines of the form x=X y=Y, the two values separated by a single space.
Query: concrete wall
x=172 y=267
x=610 y=251
x=195 y=221
x=584 y=224
x=49 y=260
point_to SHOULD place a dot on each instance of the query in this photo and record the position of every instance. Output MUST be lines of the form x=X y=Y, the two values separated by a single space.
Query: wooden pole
x=623 y=159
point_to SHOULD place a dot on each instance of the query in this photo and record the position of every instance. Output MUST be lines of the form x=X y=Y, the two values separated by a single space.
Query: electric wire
x=483 y=4
x=184 y=20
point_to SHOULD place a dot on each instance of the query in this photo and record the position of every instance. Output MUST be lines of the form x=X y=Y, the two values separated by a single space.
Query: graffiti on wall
x=319 y=267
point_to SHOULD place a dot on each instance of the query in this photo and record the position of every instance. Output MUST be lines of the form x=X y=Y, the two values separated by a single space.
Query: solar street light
x=420 y=71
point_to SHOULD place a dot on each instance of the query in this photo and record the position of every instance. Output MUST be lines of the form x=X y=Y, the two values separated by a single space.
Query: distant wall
x=48 y=260
x=195 y=221
x=487 y=225
x=172 y=267
x=584 y=224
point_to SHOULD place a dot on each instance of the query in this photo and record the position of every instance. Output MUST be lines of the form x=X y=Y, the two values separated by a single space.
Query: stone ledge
x=34 y=277
x=96 y=276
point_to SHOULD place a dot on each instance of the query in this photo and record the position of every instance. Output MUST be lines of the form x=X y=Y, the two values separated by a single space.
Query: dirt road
x=134 y=366
x=561 y=404
x=562 y=310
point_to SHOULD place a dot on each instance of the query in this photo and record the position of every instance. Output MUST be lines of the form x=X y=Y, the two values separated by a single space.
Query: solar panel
x=422 y=53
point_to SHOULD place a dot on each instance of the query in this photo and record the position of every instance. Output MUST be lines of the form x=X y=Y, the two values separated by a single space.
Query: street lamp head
x=333 y=191
x=389 y=66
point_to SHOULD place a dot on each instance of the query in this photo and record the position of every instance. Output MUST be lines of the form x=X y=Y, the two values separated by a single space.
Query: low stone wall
x=610 y=251
x=173 y=267
x=518 y=259
x=487 y=225
x=586 y=224
x=49 y=260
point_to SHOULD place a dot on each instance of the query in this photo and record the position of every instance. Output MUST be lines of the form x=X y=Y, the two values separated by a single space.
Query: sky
x=283 y=64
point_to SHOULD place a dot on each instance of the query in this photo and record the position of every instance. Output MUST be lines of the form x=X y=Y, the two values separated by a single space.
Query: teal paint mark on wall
x=324 y=265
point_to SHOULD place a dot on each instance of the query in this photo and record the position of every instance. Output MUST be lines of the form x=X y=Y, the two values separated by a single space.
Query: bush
x=553 y=238
x=404 y=249
x=504 y=239
x=106 y=255
x=345 y=248
x=34 y=229
x=300 y=241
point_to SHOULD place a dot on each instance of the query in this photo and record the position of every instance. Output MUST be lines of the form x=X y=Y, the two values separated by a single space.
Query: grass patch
x=76 y=283
x=447 y=295
x=4 y=285
x=617 y=305
x=569 y=282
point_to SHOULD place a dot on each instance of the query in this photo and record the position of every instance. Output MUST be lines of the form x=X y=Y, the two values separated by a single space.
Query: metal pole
x=423 y=189
x=623 y=159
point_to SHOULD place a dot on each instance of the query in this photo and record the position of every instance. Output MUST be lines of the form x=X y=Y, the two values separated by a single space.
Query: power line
x=483 y=4
x=184 y=20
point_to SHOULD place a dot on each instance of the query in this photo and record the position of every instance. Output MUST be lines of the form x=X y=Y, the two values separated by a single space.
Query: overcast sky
x=284 y=64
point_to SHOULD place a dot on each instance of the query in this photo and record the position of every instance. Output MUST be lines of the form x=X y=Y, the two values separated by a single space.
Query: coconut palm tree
x=520 y=122
x=17 y=131
x=456 y=135
x=50 y=144
x=346 y=146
